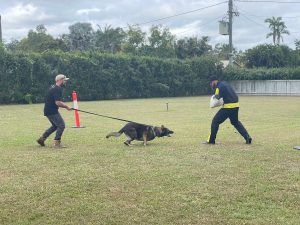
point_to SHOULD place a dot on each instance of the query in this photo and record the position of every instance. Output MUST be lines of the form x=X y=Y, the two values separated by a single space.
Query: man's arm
x=62 y=105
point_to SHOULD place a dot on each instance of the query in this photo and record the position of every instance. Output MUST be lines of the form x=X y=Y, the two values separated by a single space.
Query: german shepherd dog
x=141 y=132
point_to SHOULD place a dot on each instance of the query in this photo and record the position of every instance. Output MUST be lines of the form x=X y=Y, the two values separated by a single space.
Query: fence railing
x=267 y=87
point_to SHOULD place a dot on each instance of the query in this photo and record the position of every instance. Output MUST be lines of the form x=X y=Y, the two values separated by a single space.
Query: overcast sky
x=249 y=28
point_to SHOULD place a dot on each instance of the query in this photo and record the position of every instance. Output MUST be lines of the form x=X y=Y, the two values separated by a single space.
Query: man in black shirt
x=230 y=110
x=53 y=101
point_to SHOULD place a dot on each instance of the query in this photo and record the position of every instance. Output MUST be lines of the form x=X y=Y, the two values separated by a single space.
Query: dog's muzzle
x=171 y=132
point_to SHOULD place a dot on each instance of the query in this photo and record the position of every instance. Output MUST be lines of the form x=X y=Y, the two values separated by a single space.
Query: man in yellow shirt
x=230 y=110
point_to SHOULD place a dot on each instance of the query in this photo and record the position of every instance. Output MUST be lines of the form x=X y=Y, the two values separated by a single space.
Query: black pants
x=221 y=116
x=58 y=125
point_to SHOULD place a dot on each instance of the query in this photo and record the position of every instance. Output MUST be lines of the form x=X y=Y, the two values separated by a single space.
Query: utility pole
x=230 y=14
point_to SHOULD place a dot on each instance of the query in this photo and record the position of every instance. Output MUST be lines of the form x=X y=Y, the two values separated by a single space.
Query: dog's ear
x=162 y=126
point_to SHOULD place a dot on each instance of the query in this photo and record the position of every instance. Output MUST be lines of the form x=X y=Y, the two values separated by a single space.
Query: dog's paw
x=126 y=143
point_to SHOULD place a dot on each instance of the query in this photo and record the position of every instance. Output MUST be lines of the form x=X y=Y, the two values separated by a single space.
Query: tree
x=161 y=42
x=109 y=39
x=192 y=47
x=41 y=29
x=135 y=40
x=269 y=56
x=278 y=28
x=222 y=51
x=297 y=43
x=13 y=45
x=81 y=36
x=37 y=41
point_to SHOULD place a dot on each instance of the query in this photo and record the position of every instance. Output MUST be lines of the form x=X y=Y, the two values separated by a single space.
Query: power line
x=253 y=15
x=180 y=14
x=244 y=15
x=280 y=2
x=253 y=21
x=263 y=25
x=203 y=25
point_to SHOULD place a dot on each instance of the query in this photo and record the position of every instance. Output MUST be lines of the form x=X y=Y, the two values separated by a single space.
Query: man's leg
x=60 y=125
x=51 y=129
x=47 y=133
x=219 y=118
x=234 y=119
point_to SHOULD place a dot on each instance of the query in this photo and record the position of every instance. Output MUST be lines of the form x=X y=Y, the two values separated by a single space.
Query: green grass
x=173 y=180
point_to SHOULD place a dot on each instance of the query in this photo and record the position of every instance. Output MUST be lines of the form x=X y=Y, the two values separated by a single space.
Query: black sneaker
x=208 y=143
x=249 y=141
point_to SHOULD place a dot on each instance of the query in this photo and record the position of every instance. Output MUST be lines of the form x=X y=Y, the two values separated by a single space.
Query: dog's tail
x=115 y=134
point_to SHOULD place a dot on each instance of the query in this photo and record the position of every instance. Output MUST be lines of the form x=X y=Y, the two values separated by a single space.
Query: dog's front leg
x=145 y=138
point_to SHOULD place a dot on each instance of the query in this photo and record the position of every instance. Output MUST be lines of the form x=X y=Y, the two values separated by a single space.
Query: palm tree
x=278 y=28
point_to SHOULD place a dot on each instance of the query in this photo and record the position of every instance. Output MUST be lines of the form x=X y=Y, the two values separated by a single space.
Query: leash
x=96 y=114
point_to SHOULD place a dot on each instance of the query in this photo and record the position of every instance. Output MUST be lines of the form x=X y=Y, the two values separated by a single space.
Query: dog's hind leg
x=114 y=134
x=128 y=141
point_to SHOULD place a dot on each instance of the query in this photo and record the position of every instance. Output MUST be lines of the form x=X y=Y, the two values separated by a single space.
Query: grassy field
x=174 y=180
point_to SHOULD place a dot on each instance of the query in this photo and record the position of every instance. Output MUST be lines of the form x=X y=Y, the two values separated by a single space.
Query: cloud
x=22 y=14
x=14 y=34
x=19 y=16
x=87 y=11
x=18 y=19
x=58 y=29
x=21 y=11
x=186 y=30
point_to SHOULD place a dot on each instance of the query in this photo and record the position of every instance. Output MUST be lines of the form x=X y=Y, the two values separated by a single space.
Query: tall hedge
x=286 y=73
x=26 y=77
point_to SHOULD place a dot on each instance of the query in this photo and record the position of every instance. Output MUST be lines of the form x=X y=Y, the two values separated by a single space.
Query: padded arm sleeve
x=217 y=93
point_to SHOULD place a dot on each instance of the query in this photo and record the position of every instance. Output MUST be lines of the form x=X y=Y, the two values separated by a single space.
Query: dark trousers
x=221 y=116
x=58 y=125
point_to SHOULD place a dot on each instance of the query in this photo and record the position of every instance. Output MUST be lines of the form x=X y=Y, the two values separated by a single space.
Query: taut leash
x=96 y=114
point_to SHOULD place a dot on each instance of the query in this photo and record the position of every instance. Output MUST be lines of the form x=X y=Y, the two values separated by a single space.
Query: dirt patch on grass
x=4 y=175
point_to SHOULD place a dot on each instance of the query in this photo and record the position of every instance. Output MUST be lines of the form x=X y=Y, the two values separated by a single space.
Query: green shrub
x=25 y=78
x=287 y=73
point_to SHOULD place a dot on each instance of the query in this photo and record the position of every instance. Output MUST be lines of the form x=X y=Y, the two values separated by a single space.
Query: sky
x=198 y=17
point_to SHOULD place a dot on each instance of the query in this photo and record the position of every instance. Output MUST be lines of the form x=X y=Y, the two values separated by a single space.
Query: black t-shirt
x=226 y=92
x=54 y=94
